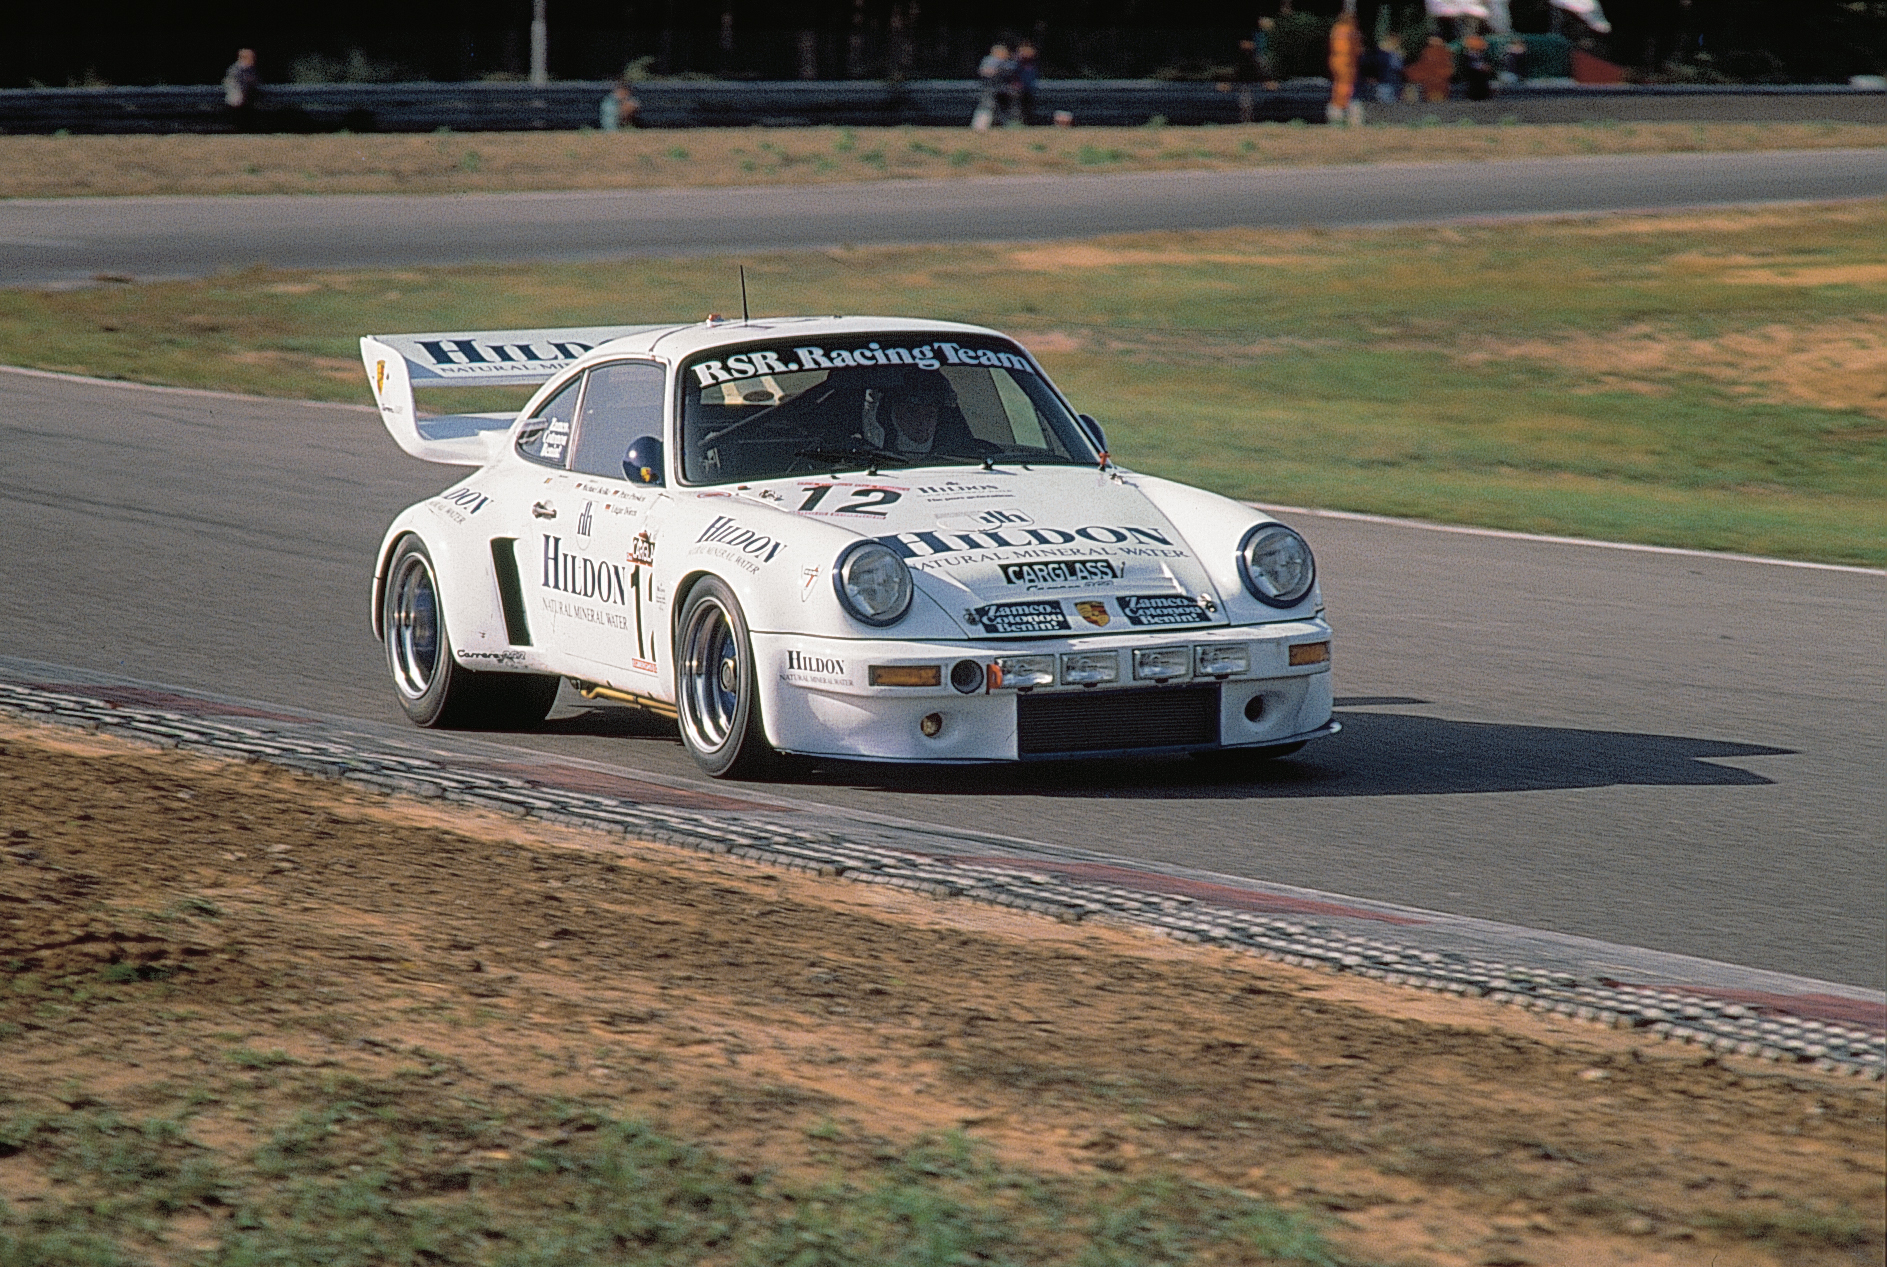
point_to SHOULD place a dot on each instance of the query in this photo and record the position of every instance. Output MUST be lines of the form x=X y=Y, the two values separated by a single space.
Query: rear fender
x=468 y=594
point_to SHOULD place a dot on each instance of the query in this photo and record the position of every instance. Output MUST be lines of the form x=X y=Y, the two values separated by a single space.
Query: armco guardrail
x=566 y=106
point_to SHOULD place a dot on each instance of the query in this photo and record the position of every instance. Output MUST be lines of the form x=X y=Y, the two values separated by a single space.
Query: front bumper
x=818 y=699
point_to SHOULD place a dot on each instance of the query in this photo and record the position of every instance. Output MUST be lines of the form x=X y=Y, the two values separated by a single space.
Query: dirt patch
x=1830 y=365
x=163 y=915
x=1078 y=256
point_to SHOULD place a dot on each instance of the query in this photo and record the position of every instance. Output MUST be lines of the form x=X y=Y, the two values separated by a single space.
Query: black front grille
x=1117 y=721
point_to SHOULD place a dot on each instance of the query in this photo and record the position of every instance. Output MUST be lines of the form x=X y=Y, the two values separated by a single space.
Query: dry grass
x=278 y=977
x=78 y=166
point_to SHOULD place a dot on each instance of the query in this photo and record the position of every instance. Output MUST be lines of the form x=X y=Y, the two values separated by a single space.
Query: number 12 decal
x=865 y=501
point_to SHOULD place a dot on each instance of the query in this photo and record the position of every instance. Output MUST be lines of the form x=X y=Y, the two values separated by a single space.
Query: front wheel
x=433 y=688
x=717 y=696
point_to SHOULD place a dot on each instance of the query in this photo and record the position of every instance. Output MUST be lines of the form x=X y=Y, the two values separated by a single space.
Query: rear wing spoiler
x=397 y=363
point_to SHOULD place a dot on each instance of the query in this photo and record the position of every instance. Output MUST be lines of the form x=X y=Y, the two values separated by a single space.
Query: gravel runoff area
x=1833 y=1035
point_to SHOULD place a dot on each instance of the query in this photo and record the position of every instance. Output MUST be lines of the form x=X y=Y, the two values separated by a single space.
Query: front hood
x=1012 y=552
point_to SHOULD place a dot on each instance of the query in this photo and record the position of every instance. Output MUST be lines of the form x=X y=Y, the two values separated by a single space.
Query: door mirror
x=642 y=464
x=1095 y=435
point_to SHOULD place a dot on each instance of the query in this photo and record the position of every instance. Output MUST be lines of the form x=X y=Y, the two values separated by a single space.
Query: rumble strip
x=1741 y=1012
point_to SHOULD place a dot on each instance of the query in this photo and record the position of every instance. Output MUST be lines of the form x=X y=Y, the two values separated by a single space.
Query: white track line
x=1269 y=507
x=1465 y=530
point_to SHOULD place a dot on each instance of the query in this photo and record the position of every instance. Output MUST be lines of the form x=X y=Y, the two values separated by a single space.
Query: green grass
x=377 y=1174
x=1715 y=381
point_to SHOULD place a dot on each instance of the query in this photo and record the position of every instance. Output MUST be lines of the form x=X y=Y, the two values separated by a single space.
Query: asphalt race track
x=1654 y=748
x=71 y=241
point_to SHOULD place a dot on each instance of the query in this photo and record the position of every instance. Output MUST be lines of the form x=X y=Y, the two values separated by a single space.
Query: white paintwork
x=603 y=563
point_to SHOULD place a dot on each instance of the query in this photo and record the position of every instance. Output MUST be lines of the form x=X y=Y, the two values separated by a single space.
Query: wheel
x=717 y=700
x=433 y=688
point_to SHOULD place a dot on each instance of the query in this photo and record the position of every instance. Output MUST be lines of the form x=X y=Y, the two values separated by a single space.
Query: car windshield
x=770 y=410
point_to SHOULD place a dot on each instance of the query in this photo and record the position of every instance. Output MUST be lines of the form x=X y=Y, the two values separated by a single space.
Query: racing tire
x=435 y=690
x=717 y=691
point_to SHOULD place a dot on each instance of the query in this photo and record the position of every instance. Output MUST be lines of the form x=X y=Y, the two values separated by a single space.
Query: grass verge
x=248 y=1017
x=1711 y=380
x=93 y=166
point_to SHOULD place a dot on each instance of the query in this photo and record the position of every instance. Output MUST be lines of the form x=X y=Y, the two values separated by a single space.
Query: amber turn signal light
x=1310 y=653
x=906 y=675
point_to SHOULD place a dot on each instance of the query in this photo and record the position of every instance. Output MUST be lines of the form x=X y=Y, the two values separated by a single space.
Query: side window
x=622 y=404
x=546 y=433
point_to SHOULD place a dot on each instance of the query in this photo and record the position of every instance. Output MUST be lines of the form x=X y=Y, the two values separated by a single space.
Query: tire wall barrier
x=569 y=105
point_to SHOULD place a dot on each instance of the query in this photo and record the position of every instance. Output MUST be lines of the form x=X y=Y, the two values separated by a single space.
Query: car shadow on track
x=1378 y=754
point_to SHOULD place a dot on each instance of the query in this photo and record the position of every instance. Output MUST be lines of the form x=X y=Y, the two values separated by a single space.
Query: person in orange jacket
x=1346 y=47
x=1433 y=70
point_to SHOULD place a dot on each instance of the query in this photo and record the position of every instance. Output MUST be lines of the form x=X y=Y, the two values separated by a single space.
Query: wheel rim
x=414 y=635
x=711 y=677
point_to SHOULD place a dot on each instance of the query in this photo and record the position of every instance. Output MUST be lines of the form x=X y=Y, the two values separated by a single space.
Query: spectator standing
x=1388 y=69
x=997 y=72
x=1246 y=72
x=1346 y=49
x=240 y=85
x=1028 y=74
x=1477 y=68
x=1433 y=70
x=1513 y=65
x=1261 y=49
x=620 y=109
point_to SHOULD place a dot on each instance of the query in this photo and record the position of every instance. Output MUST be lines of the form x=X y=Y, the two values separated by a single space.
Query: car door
x=542 y=528
x=618 y=511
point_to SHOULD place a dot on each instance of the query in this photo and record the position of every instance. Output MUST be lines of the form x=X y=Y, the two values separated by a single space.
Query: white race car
x=853 y=537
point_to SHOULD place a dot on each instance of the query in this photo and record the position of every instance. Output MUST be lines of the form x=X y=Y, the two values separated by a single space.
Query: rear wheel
x=717 y=698
x=433 y=688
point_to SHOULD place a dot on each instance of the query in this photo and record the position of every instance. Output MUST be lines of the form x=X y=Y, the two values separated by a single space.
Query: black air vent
x=1117 y=721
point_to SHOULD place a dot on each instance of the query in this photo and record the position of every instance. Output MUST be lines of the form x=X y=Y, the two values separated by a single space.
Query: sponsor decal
x=469 y=358
x=1163 y=609
x=818 y=670
x=956 y=491
x=757 y=362
x=642 y=550
x=379 y=377
x=1049 y=572
x=808 y=578
x=460 y=504
x=583 y=578
x=727 y=539
x=922 y=545
x=1093 y=611
x=1045 y=616
x=998 y=517
x=551 y=446
x=586 y=519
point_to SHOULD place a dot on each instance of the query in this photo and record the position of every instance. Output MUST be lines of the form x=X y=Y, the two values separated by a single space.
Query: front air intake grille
x=1117 y=721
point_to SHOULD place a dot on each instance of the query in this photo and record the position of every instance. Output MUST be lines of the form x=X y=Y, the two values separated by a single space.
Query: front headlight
x=1276 y=565
x=872 y=583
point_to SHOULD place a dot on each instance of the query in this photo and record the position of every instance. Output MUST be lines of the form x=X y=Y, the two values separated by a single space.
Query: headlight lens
x=872 y=583
x=1276 y=565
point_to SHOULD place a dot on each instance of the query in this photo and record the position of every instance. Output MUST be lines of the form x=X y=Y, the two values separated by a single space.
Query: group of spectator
x=1385 y=74
x=1009 y=80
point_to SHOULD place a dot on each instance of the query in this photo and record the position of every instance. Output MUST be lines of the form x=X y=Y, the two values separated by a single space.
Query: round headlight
x=1276 y=565
x=872 y=582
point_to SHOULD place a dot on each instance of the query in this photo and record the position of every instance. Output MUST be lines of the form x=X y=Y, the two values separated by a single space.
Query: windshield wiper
x=872 y=458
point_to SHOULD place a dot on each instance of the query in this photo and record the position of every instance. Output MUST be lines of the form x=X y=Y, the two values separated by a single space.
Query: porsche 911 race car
x=864 y=538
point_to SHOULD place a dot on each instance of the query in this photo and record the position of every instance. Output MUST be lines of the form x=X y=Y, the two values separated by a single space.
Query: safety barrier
x=569 y=105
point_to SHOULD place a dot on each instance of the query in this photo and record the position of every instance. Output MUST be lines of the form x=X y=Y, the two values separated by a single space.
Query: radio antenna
x=743 y=293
